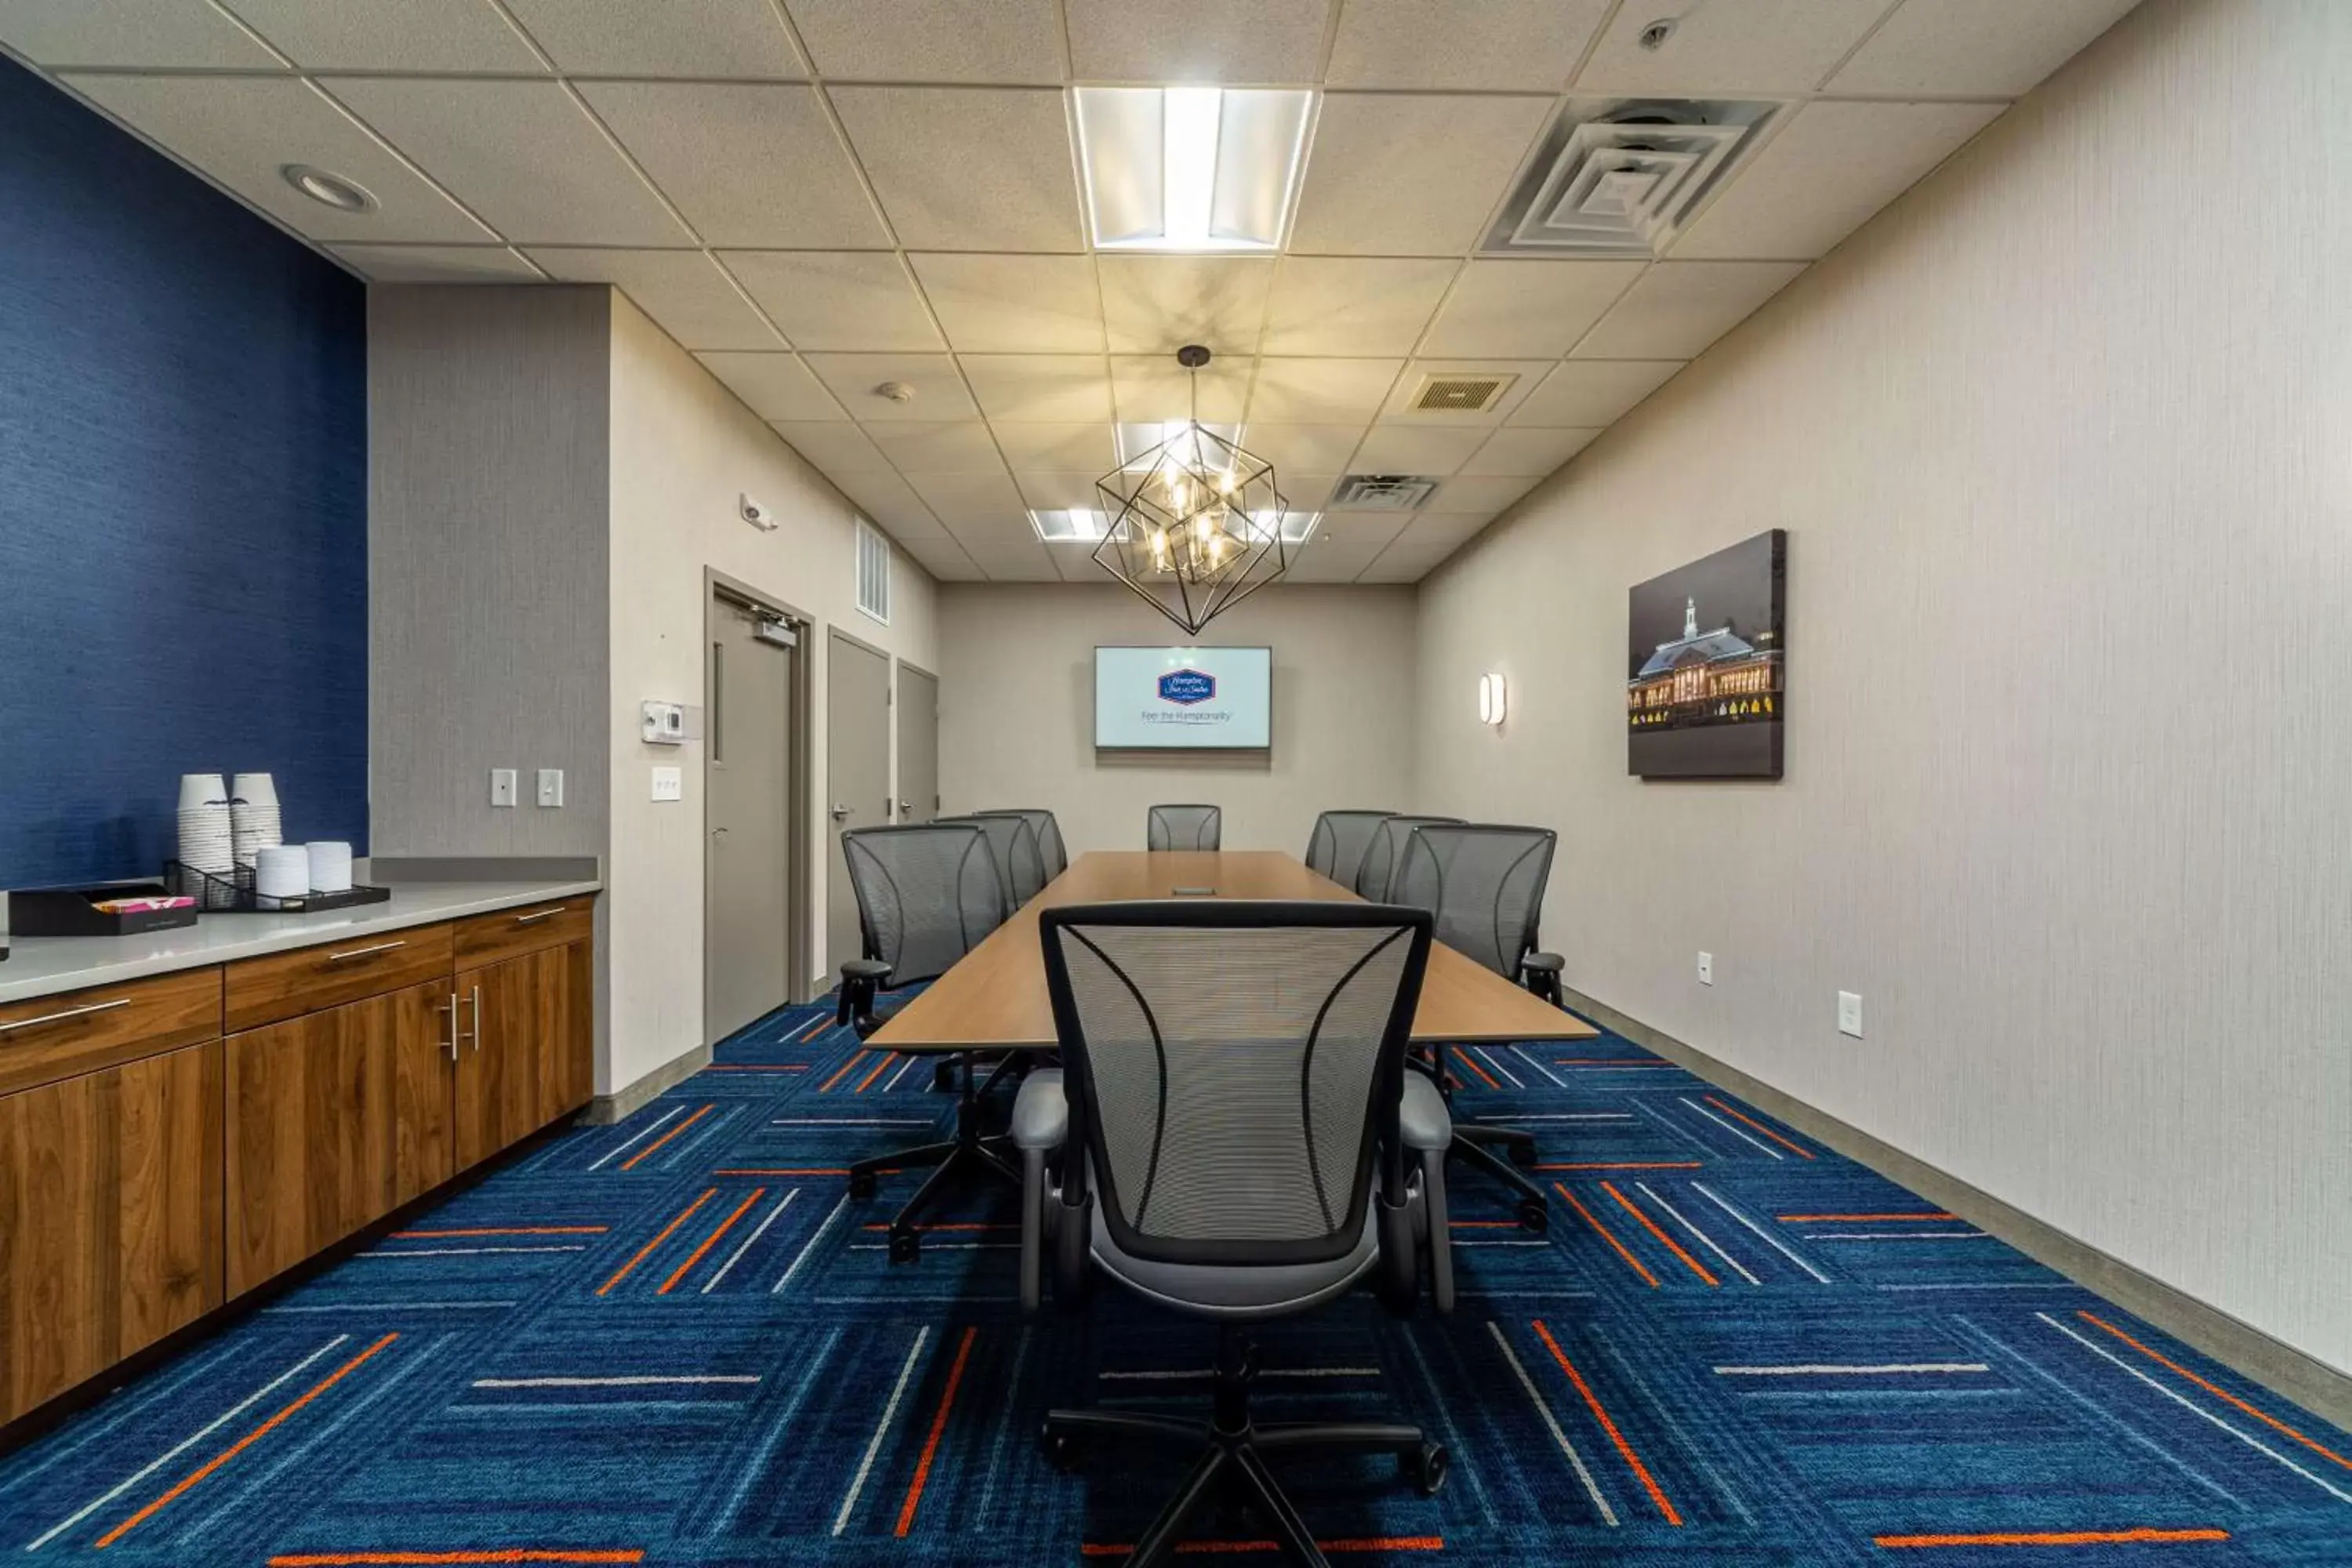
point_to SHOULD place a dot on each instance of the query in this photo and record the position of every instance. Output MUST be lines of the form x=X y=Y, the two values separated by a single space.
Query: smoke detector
x=1623 y=177
x=895 y=391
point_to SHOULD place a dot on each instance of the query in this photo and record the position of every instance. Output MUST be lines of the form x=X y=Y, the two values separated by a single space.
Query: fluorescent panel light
x=1072 y=525
x=1190 y=168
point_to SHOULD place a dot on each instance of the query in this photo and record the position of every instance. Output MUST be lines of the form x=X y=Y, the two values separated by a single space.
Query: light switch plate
x=502 y=786
x=669 y=783
x=1707 y=969
x=551 y=786
x=1850 y=1013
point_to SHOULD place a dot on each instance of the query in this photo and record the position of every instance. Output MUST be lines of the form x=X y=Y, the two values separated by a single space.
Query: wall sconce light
x=1490 y=699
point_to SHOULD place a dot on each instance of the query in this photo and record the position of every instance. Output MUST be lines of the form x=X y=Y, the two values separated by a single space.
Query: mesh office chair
x=1385 y=853
x=1234 y=1076
x=1050 y=851
x=1184 y=827
x=1483 y=885
x=1020 y=860
x=927 y=895
x=1337 y=846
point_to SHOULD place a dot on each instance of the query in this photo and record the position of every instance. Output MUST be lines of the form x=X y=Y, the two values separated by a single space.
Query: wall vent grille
x=1460 y=393
x=1623 y=177
x=872 y=571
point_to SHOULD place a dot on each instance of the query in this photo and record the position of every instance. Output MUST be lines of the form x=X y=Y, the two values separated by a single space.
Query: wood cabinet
x=334 y=1119
x=110 y=1217
x=520 y=1059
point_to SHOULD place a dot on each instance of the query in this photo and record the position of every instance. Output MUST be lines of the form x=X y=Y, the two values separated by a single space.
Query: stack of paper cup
x=205 y=842
x=330 y=867
x=253 y=816
x=282 y=871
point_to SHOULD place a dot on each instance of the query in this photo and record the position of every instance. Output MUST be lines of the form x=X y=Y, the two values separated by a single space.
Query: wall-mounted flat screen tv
x=1184 y=699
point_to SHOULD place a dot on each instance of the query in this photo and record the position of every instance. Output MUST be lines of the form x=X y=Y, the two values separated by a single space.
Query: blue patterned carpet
x=677 y=1340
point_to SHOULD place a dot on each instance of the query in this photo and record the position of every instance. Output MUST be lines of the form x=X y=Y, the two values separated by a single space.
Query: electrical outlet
x=669 y=783
x=502 y=786
x=1707 y=969
x=551 y=786
x=1850 y=1013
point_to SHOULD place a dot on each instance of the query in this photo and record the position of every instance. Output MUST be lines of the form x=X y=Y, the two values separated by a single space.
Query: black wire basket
x=235 y=893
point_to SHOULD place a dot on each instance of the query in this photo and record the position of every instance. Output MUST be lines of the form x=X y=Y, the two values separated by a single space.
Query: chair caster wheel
x=1523 y=1155
x=1061 y=1449
x=861 y=1183
x=943 y=1078
x=1425 y=1469
x=904 y=1246
x=1534 y=1215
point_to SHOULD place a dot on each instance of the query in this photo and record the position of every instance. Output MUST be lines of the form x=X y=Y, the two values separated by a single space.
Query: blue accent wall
x=183 y=502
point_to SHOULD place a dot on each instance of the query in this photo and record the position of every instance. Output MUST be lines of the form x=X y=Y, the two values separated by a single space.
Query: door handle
x=840 y=812
x=905 y=807
x=451 y=1043
x=69 y=1012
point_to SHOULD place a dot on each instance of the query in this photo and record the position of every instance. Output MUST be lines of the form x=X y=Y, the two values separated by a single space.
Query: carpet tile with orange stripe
x=678 y=1341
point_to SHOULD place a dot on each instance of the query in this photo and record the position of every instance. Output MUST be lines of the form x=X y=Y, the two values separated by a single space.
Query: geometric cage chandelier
x=1195 y=525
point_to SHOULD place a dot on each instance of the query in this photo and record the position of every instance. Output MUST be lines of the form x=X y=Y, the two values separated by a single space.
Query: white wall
x=1016 y=711
x=2063 y=441
x=683 y=451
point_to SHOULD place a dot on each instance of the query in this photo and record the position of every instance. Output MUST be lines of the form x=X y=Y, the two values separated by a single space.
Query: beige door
x=747 y=928
x=918 y=744
x=857 y=776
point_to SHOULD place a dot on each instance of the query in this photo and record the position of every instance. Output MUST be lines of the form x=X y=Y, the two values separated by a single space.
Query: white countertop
x=43 y=965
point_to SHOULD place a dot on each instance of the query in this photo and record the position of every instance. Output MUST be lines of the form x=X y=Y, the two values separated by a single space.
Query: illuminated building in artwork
x=1704 y=677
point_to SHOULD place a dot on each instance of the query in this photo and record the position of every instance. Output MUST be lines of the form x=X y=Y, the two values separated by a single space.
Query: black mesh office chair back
x=1234 y=1067
x=926 y=894
x=1337 y=846
x=1184 y=827
x=1013 y=840
x=1385 y=853
x=1483 y=884
x=1050 y=851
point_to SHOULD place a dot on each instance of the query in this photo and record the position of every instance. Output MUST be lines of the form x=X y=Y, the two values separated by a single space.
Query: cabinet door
x=525 y=1057
x=110 y=1217
x=333 y=1118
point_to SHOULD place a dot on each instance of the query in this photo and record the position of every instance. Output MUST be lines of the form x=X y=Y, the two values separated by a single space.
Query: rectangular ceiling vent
x=1379 y=492
x=1624 y=176
x=1459 y=393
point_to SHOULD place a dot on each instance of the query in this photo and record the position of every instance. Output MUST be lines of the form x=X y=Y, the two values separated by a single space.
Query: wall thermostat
x=664 y=723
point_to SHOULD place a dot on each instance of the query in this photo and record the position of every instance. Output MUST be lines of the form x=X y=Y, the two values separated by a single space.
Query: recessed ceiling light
x=1190 y=168
x=329 y=190
x=1073 y=526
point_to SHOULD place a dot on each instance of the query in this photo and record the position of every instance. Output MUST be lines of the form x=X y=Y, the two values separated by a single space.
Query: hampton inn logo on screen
x=1188 y=688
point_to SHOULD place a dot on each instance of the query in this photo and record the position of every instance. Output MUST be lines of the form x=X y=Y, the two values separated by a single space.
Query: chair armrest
x=1041 y=1116
x=1543 y=964
x=1422 y=1121
x=866 y=969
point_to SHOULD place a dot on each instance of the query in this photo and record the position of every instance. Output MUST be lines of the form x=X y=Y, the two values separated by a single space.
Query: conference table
x=994 y=998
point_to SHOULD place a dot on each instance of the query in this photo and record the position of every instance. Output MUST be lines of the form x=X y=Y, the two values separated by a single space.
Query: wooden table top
x=994 y=998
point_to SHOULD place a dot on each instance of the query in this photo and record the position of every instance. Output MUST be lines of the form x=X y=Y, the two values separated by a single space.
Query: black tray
x=69 y=911
x=234 y=894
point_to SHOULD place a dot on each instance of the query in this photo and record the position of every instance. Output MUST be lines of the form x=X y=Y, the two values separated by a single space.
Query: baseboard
x=607 y=1109
x=2280 y=1367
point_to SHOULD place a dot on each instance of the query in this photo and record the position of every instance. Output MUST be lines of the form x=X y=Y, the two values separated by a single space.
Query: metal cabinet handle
x=451 y=1043
x=477 y=1020
x=365 y=952
x=62 y=1017
x=538 y=915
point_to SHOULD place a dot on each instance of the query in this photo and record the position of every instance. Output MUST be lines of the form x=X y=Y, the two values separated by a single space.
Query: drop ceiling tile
x=522 y=153
x=1013 y=304
x=1303 y=448
x=932 y=41
x=1432 y=531
x=1490 y=45
x=847 y=301
x=683 y=290
x=449 y=35
x=1527 y=310
x=926 y=447
x=923 y=148
x=1221 y=41
x=1157 y=304
x=1416 y=449
x=944 y=559
x=1071 y=448
x=1478 y=497
x=1677 y=307
x=1520 y=378
x=1410 y=174
x=1015 y=563
x=1058 y=492
x=241 y=129
x=1997 y=47
x=1366 y=530
x=164 y=34
x=1528 y=453
x=1353 y=304
x=1755 y=45
x=776 y=386
x=968 y=501
x=1327 y=561
x=939 y=390
x=1320 y=391
x=438 y=263
x=754 y=164
x=660 y=38
x=1403 y=562
x=1828 y=171
x=1583 y=394
x=1308 y=492
x=887 y=500
x=1054 y=388
x=1154 y=386
x=836 y=447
